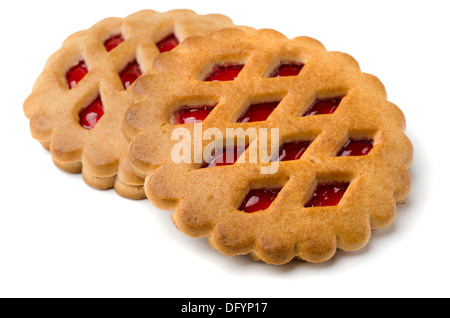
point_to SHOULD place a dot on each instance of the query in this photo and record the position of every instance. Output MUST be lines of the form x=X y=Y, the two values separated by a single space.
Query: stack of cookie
x=267 y=146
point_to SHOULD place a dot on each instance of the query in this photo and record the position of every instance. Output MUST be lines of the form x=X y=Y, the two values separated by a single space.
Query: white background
x=61 y=238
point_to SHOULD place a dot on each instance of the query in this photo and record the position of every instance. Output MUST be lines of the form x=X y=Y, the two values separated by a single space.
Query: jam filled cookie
x=339 y=164
x=77 y=103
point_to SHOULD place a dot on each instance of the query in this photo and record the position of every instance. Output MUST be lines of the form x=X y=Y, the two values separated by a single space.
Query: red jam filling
x=113 y=41
x=131 y=72
x=224 y=73
x=288 y=69
x=91 y=114
x=292 y=151
x=227 y=156
x=76 y=73
x=192 y=115
x=327 y=194
x=258 y=112
x=356 y=148
x=323 y=107
x=258 y=200
x=167 y=44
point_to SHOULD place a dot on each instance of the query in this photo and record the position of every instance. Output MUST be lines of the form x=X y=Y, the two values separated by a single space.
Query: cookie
x=77 y=103
x=269 y=146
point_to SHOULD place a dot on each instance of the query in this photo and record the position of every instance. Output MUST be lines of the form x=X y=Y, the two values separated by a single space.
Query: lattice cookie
x=78 y=102
x=342 y=158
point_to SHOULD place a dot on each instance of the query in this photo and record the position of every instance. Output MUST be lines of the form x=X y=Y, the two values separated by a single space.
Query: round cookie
x=78 y=101
x=341 y=157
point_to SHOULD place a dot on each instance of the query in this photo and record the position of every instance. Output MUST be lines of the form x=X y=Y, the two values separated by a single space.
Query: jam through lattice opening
x=192 y=115
x=287 y=69
x=323 y=106
x=327 y=194
x=258 y=112
x=167 y=44
x=259 y=199
x=90 y=115
x=113 y=42
x=130 y=74
x=224 y=73
x=291 y=151
x=224 y=157
x=76 y=74
x=356 y=147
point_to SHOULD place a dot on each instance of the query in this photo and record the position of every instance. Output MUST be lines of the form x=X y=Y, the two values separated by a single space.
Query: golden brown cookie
x=77 y=103
x=341 y=159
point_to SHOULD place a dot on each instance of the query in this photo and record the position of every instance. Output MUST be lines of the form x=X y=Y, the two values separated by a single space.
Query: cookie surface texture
x=343 y=157
x=77 y=103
